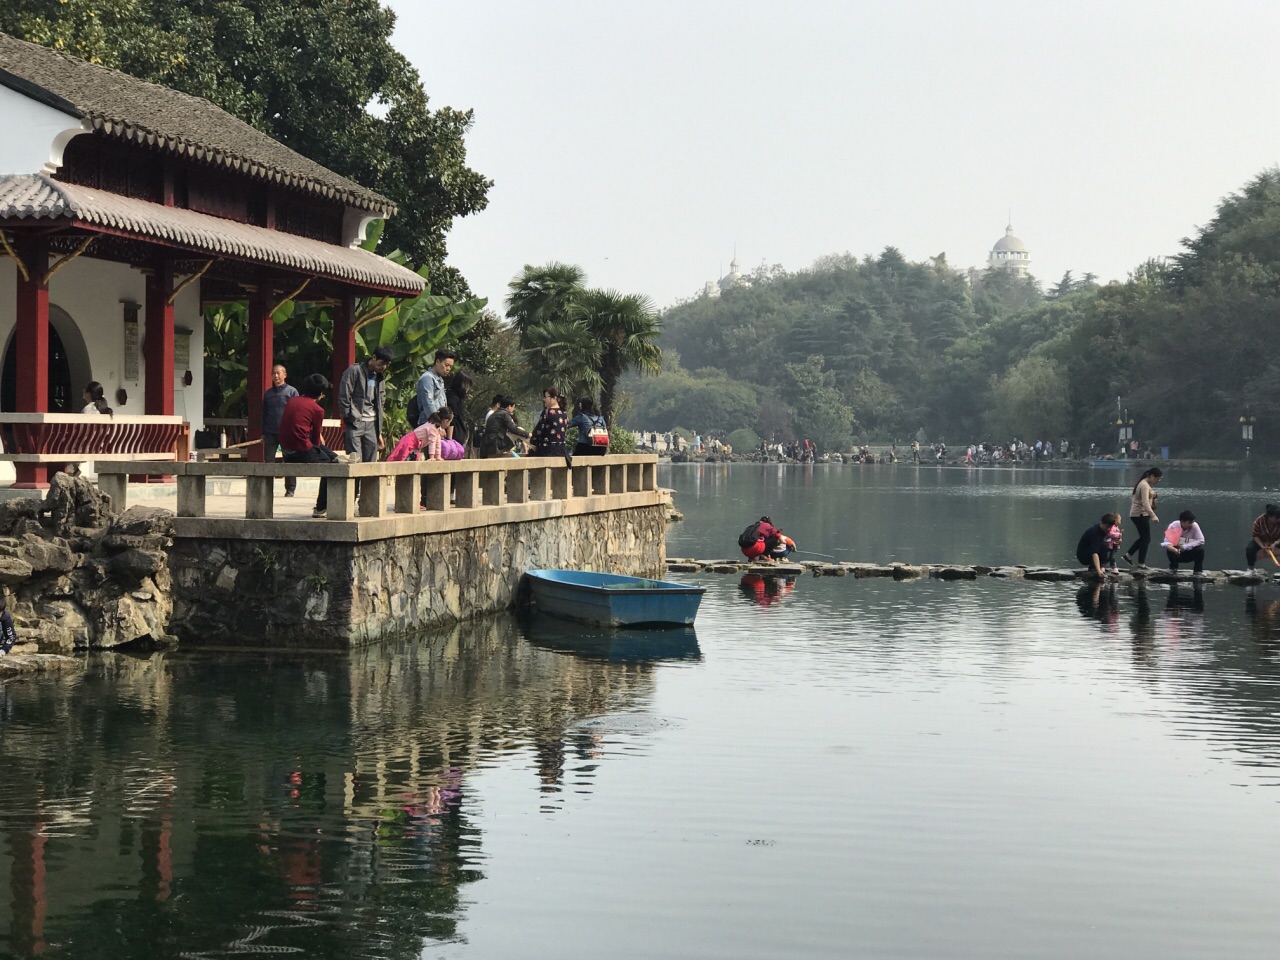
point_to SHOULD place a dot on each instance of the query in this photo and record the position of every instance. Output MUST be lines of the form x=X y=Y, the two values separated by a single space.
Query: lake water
x=829 y=768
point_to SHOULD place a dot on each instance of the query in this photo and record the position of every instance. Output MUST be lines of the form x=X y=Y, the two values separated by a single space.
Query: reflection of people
x=1097 y=601
x=763 y=590
x=1092 y=547
x=1265 y=535
x=1144 y=634
x=1184 y=543
x=8 y=635
x=1142 y=511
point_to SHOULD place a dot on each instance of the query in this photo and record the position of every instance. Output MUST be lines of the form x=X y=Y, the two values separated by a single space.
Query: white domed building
x=1010 y=254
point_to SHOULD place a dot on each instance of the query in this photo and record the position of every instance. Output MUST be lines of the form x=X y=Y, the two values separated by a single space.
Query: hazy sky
x=644 y=140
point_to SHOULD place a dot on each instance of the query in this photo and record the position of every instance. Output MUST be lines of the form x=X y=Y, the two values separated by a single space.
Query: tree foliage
x=904 y=346
x=319 y=76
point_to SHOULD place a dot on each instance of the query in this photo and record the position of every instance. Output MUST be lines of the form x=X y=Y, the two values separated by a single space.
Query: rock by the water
x=25 y=664
x=1050 y=575
x=74 y=502
x=683 y=567
x=954 y=573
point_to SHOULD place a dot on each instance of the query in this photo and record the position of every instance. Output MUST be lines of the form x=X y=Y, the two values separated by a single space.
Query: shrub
x=743 y=440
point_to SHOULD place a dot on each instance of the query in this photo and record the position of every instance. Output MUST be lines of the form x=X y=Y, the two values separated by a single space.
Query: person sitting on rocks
x=8 y=635
x=1092 y=547
x=300 y=437
x=1184 y=543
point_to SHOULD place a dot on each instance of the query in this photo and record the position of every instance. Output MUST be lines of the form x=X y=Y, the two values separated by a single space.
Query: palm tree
x=564 y=354
x=542 y=295
x=626 y=326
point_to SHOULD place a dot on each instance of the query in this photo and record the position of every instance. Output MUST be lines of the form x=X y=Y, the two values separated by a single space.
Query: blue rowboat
x=613 y=600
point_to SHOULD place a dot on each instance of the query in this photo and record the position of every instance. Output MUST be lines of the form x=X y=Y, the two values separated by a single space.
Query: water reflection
x=766 y=589
x=190 y=805
x=611 y=643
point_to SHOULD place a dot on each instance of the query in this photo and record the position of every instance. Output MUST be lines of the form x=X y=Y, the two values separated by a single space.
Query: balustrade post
x=192 y=492
x=599 y=481
x=115 y=486
x=341 y=495
x=517 y=485
x=407 y=492
x=259 y=499
x=560 y=477
x=373 y=496
x=435 y=490
x=466 y=490
x=539 y=483
x=492 y=488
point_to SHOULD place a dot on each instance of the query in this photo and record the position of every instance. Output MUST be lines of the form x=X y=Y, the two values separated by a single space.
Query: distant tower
x=734 y=277
x=1010 y=254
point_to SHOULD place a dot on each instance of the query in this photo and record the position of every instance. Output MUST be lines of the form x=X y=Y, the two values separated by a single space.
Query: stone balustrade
x=371 y=501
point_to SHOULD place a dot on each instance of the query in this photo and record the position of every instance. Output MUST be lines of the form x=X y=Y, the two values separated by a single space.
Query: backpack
x=412 y=412
x=750 y=536
x=598 y=435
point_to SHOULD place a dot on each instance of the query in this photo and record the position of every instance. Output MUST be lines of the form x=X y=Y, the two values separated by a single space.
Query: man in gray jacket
x=361 y=393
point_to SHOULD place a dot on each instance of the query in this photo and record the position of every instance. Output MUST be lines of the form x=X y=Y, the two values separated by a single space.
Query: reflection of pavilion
x=124 y=208
x=190 y=801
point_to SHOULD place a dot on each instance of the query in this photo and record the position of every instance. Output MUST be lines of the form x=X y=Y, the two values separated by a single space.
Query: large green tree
x=318 y=75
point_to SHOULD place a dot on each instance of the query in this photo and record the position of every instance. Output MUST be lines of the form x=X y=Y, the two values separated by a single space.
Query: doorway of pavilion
x=68 y=366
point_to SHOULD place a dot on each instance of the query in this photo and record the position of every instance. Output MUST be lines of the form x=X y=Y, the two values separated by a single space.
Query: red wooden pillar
x=31 y=340
x=344 y=343
x=261 y=359
x=158 y=349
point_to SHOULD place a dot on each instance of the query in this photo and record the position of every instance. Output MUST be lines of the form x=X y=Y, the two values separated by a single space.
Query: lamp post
x=1246 y=432
x=1124 y=428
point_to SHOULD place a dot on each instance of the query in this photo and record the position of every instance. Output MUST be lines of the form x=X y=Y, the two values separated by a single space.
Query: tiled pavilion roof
x=132 y=109
x=37 y=198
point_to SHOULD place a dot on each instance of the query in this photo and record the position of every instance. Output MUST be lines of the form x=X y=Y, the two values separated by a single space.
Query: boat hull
x=614 y=600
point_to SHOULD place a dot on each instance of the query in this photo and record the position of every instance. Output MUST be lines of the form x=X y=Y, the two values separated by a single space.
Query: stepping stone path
x=940 y=571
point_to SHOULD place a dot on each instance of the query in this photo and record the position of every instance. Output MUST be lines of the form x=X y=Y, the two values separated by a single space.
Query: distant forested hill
x=853 y=351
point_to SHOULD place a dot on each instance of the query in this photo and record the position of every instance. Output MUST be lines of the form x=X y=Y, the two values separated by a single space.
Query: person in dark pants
x=273 y=404
x=1142 y=511
x=300 y=433
x=8 y=635
x=1184 y=542
x=456 y=392
x=1092 y=548
x=586 y=419
x=1264 y=536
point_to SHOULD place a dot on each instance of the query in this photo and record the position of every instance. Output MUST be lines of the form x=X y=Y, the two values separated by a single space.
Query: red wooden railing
x=86 y=437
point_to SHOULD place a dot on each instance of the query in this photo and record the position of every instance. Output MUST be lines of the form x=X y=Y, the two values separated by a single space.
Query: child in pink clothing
x=1114 y=536
x=429 y=437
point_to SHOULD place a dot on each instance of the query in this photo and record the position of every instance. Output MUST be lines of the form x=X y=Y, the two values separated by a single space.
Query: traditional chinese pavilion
x=125 y=207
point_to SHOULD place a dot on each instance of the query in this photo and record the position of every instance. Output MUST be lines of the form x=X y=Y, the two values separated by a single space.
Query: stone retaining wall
x=336 y=595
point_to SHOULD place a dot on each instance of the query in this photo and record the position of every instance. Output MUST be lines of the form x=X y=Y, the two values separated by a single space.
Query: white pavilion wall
x=90 y=291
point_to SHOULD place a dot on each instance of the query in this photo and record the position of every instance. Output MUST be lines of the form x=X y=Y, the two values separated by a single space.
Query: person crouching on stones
x=430 y=439
x=779 y=546
x=8 y=635
x=1092 y=547
x=1184 y=543
x=754 y=541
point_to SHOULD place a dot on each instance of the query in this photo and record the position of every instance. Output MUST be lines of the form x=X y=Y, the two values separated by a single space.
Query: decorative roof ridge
x=58 y=79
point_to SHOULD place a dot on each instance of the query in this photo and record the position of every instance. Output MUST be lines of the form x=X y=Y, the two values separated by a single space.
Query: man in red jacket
x=300 y=433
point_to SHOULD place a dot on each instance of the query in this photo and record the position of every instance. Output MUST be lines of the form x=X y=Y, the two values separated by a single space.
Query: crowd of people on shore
x=440 y=428
x=1183 y=542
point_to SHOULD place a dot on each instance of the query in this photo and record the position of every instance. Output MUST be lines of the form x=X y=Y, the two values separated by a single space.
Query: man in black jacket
x=1092 y=548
